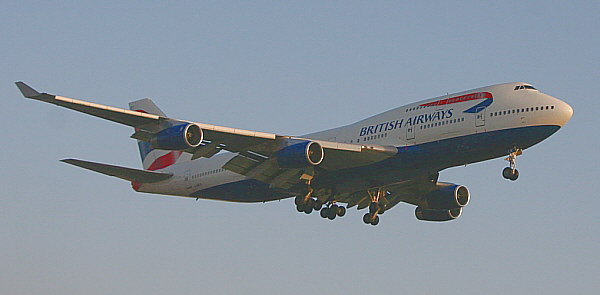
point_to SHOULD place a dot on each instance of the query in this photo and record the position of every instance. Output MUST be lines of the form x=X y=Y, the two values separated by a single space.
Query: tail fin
x=154 y=159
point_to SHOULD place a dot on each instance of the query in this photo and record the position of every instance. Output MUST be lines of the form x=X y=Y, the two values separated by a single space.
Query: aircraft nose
x=565 y=112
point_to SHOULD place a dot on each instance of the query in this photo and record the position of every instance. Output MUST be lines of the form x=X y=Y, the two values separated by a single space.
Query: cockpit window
x=518 y=87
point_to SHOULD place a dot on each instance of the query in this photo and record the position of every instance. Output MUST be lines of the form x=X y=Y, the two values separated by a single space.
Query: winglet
x=26 y=90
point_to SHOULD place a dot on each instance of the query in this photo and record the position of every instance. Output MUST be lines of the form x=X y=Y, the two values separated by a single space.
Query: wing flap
x=125 y=173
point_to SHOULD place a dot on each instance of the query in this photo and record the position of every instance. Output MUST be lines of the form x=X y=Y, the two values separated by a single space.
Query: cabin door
x=480 y=119
x=410 y=133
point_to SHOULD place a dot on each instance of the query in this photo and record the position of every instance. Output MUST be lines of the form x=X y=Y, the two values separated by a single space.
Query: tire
x=507 y=173
x=367 y=218
x=317 y=205
x=324 y=212
x=299 y=201
x=375 y=221
x=308 y=209
x=331 y=214
x=514 y=175
x=341 y=211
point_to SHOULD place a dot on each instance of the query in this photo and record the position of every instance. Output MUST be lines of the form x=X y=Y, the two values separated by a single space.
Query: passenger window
x=552 y=107
x=517 y=111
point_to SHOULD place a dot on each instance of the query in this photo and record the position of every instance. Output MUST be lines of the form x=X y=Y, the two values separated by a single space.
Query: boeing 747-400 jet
x=375 y=163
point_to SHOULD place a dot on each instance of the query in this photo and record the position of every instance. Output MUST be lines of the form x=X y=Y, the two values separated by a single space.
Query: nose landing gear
x=511 y=172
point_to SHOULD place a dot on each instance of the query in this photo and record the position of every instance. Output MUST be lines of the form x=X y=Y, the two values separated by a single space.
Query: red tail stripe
x=165 y=160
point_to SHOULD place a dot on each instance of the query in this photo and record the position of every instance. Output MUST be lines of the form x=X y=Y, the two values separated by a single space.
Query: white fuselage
x=426 y=121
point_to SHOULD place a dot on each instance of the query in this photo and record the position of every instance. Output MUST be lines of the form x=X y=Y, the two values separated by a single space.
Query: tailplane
x=154 y=159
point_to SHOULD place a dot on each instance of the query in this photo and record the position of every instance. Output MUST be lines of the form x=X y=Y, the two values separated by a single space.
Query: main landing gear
x=375 y=208
x=307 y=204
x=511 y=172
x=332 y=211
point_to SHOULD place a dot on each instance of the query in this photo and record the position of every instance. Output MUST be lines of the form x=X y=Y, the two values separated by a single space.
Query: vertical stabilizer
x=154 y=159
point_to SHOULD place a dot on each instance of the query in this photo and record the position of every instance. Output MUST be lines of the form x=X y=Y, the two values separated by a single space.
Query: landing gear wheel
x=331 y=214
x=341 y=211
x=299 y=201
x=510 y=173
x=375 y=221
x=324 y=212
x=367 y=218
x=308 y=209
x=317 y=205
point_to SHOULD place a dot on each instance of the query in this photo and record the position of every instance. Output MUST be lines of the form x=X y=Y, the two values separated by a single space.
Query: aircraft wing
x=255 y=149
x=148 y=124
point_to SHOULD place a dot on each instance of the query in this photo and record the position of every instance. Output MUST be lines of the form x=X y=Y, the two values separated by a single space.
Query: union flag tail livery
x=154 y=159
x=376 y=163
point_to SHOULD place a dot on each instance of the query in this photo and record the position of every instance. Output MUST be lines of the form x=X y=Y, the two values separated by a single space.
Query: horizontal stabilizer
x=130 y=174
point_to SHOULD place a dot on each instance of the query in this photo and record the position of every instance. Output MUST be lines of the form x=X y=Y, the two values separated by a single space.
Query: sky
x=290 y=67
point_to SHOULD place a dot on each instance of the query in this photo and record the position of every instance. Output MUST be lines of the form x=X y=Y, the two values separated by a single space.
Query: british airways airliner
x=375 y=163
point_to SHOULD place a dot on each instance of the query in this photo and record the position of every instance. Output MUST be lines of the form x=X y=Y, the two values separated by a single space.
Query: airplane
x=392 y=157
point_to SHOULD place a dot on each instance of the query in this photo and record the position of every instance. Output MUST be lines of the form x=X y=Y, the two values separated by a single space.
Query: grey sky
x=290 y=68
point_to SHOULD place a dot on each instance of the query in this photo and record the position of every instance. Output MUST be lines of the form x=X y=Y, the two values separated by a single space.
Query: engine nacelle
x=179 y=137
x=300 y=155
x=437 y=215
x=447 y=196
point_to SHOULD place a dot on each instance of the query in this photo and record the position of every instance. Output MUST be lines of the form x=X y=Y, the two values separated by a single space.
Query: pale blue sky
x=290 y=68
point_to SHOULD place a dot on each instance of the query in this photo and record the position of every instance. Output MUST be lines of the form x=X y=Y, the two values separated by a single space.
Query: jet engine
x=300 y=155
x=178 y=137
x=437 y=215
x=443 y=204
x=447 y=196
